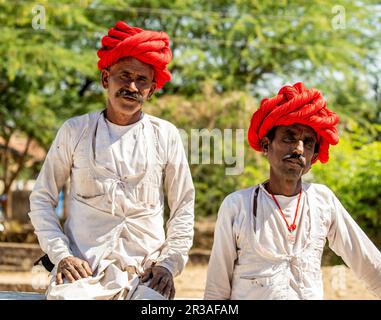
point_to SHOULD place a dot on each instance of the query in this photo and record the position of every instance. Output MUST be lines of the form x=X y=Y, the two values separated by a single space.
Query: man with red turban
x=119 y=162
x=269 y=239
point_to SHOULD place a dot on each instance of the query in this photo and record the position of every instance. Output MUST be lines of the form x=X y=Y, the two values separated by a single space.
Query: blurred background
x=228 y=55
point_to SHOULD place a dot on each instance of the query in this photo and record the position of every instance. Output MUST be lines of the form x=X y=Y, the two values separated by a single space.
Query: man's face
x=129 y=82
x=291 y=151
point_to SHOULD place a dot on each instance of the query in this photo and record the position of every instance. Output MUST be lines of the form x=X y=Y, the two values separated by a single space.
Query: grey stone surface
x=9 y=295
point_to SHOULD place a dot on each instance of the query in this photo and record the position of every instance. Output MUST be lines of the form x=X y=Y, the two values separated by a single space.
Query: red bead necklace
x=291 y=227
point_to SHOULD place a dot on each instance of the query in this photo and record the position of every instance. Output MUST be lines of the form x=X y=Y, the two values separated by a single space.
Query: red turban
x=295 y=104
x=150 y=47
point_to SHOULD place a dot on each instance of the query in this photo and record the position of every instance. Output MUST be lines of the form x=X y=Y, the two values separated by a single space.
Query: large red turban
x=295 y=104
x=148 y=46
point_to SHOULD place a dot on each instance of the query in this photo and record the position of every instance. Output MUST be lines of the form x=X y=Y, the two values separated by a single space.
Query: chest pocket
x=84 y=184
x=147 y=193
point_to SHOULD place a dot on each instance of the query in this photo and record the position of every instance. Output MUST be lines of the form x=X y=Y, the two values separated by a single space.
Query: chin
x=129 y=108
x=293 y=173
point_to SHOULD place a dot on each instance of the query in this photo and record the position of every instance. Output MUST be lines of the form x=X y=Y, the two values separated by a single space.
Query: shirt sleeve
x=223 y=256
x=180 y=191
x=44 y=197
x=347 y=240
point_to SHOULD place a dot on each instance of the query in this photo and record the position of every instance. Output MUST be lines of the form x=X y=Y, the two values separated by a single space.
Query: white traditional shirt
x=115 y=221
x=254 y=257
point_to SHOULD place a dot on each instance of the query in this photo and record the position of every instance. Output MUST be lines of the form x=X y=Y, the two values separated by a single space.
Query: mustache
x=296 y=156
x=125 y=93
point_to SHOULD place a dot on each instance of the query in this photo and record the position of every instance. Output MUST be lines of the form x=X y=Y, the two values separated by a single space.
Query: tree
x=43 y=80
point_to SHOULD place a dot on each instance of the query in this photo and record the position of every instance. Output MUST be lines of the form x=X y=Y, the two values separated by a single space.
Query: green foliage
x=354 y=174
x=48 y=75
x=43 y=74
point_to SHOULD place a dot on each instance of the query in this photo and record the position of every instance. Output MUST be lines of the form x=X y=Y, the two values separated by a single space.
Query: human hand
x=161 y=280
x=72 y=269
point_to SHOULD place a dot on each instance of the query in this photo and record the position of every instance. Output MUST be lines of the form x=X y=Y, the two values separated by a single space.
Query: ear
x=104 y=78
x=314 y=157
x=265 y=145
x=151 y=90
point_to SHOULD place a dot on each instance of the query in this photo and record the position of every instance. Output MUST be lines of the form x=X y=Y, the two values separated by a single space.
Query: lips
x=128 y=97
x=295 y=162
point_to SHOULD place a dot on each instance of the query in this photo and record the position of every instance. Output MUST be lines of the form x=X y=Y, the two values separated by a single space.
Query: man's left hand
x=161 y=280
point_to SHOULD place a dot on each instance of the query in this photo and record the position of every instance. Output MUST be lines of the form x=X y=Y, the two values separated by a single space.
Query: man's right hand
x=72 y=269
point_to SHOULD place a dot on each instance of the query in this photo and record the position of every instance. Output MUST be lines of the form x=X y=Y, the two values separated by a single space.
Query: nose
x=299 y=148
x=133 y=87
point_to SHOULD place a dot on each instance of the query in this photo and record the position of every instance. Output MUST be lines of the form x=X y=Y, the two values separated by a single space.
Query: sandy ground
x=339 y=283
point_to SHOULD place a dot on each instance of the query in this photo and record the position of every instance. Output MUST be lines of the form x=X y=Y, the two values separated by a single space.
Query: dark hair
x=271 y=136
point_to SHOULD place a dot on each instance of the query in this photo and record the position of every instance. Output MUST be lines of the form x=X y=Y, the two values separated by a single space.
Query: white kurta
x=116 y=204
x=252 y=258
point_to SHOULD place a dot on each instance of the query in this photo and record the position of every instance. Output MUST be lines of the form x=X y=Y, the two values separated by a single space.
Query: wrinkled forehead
x=298 y=130
x=133 y=65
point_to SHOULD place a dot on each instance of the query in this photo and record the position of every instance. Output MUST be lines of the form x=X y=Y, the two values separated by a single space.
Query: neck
x=283 y=186
x=122 y=119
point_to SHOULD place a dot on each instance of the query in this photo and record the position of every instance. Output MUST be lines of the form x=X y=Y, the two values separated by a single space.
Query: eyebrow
x=290 y=132
x=293 y=133
x=128 y=72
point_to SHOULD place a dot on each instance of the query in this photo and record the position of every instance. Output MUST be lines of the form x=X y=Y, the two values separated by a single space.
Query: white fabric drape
x=262 y=263
x=116 y=203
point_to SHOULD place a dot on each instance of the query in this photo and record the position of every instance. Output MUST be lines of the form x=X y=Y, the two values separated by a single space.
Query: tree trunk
x=8 y=177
